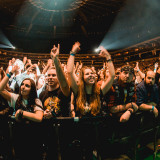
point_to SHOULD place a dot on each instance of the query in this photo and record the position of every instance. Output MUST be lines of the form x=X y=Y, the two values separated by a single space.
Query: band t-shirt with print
x=56 y=102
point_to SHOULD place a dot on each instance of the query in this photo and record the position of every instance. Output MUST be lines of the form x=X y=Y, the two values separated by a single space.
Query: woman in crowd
x=87 y=94
x=87 y=98
x=5 y=111
x=28 y=110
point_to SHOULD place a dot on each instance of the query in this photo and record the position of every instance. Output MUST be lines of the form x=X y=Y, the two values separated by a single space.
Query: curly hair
x=81 y=97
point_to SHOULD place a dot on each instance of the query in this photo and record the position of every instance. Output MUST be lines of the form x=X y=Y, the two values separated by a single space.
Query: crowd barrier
x=104 y=134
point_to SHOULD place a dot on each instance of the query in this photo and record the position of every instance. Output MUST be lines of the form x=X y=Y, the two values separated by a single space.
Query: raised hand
x=55 y=51
x=104 y=52
x=80 y=66
x=24 y=60
x=13 y=60
x=10 y=62
x=49 y=63
x=15 y=68
x=76 y=47
x=156 y=65
x=29 y=61
x=136 y=67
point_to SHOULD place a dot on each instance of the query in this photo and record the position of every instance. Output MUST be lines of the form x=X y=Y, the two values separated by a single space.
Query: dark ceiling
x=35 y=25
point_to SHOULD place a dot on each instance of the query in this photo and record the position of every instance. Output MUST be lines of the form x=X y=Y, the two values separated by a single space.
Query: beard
x=149 y=85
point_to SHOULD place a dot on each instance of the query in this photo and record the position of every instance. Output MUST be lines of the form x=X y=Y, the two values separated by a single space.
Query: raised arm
x=4 y=82
x=109 y=81
x=37 y=69
x=155 y=67
x=141 y=74
x=24 y=60
x=9 y=66
x=59 y=71
x=49 y=64
x=70 y=67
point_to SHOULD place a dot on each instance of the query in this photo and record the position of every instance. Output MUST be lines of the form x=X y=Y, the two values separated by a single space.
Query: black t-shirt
x=118 y=95
x=147 y=94
x=55 y=101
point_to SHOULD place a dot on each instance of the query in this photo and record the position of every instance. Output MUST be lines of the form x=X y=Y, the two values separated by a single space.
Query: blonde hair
x=81 y=97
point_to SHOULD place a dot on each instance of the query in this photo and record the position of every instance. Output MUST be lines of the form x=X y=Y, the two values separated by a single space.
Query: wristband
x=72 y=53
x=76 y=119
x=109 y=60
x=138 y=70
x=8 y=75
x=53 y=113
x=152 y=108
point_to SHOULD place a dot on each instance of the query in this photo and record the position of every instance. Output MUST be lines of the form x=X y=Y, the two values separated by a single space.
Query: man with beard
x=147 y=94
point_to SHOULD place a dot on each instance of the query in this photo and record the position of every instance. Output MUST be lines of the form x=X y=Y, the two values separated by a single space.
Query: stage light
x=97 y=50
x=5 y=43
x=129 y=30
x=14 y=47
x=4 y=46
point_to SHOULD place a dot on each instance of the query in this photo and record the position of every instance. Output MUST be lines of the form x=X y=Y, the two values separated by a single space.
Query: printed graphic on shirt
x=52 y=104
x=87 y=108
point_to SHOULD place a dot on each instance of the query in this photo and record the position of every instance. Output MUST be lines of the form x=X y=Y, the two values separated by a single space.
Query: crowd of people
x=33 y=95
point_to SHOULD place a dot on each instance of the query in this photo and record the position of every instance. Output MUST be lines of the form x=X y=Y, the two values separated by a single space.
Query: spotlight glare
x=97 y=50
x=14 y=47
